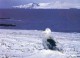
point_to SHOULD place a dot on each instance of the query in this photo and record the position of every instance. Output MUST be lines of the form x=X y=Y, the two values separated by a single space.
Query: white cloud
x=44 y=4
x=64 y=5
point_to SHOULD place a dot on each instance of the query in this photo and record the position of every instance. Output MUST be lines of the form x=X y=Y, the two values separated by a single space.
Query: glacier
x=28 y=44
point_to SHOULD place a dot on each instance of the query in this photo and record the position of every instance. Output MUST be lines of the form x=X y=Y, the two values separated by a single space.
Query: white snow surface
x=28 y=44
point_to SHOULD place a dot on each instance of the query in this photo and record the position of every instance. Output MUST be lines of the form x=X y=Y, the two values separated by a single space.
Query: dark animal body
x=51 y=44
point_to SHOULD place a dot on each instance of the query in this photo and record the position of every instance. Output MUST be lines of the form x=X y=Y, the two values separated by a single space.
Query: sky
x=10 y=3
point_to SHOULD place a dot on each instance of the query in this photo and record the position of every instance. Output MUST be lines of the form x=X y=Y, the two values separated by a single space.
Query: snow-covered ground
x=28 y=44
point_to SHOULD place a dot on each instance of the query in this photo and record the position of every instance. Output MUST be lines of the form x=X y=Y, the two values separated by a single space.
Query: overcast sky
x=10 y=3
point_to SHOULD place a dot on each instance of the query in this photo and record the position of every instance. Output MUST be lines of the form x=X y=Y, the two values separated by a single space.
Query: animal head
x=47 y=32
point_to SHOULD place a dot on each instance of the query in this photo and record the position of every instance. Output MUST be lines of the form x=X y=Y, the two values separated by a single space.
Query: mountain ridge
x=56 y=5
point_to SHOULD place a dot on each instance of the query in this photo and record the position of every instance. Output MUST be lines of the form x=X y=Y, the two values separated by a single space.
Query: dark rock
x=7 y=25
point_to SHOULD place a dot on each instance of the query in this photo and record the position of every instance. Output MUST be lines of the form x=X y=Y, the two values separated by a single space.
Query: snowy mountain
x=32 y=5
x=53 y=5
x=28 y=44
